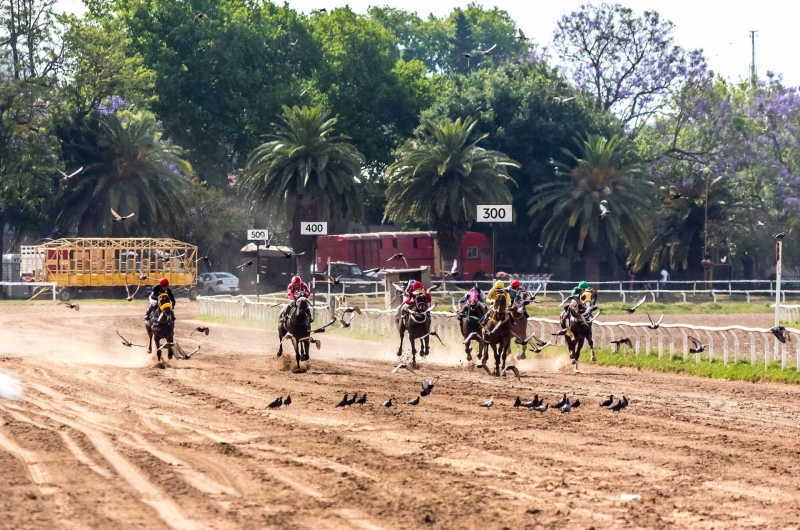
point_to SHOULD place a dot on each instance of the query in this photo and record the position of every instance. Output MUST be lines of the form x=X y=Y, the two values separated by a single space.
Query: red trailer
x=371 y=250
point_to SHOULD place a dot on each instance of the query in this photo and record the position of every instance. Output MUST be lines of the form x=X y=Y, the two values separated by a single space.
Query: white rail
x=51 y=285
x=737 y=343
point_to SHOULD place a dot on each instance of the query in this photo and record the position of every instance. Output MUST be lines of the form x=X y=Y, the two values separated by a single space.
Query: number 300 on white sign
x=494 y=213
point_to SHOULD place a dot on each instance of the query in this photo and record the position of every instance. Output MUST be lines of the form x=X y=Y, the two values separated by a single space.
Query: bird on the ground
x=414 y=401
x=119 y=218
x=399 y=255
x=521 y=37
x=561 y=101
x=621 y=404
x=489 y=403
x=698 y=346
x=200 y=329
x=541 y=408
x=453 y=272
x=603 y=210
x=343 y=402
x=632 y=310
x=126 y=342
x=329 y=278
x=486 y=52
x=779 y=236
x=388 y=402
x=535 y=402
x=674 y=196
x=513 y=369
x=130 y=296
x=67 y=177
x=276 y=404
x=561 y=403
x=427 y=386
x=781 y=334
x=245 y=265
x=291 y=253
x=352 y=399
x=517 y=403
x=608 y=401
x=201 y=16
x=76 y=307
x=653 y=323
x=402 y=366
x=566 y=407
x=287 y=401
x=207 y=261
x=575 y=404
x=624 y=340
x=362 y=400
x=183 y=355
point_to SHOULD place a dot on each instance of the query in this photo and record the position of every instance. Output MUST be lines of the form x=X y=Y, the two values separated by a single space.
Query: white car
x=211 y=283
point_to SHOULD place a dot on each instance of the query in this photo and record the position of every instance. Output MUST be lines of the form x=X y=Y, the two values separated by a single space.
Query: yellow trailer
x=85 y=263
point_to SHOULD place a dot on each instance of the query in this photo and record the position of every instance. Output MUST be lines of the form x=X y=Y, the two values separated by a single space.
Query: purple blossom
x=113 y=104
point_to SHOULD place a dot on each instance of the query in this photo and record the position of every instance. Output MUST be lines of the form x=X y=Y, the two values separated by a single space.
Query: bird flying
x=653 y=323
x=561 y=100
x=399 y=255
x=245 y=265
x=119 y=218
x=76 y=307
x=453 y=272
x=427 y=386
x=698 y=346
x=128 y=291
x=603 y=210
x=402 y=366
x=67 y=177
x=781 y=334
x=207 y=261
x=289 y=254
x=624 y=340
x=200 y=329
x=201 y=16
x=487 y=52
x=126 y=342
x=632 y=310
x=513 y=369
x=186 y=356
x=521 y=36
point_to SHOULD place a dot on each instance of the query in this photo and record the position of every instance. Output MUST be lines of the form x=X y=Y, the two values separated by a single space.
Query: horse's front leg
x=413 y=351
x=402 y=336
x=591 y=345
x=425 y=346
x=496 y=353
x=158 y=353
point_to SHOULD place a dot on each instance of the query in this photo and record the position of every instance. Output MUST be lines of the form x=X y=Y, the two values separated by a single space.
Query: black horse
x=417 y=321
x=297 y=326
x=497 y=333
x=471 y=329
x=579 y=329
x=161 y=326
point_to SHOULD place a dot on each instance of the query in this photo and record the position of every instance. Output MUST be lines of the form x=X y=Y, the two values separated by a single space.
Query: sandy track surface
x=101 y=439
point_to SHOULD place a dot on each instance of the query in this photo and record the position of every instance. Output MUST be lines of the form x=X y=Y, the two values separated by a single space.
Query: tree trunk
x=301 y=243
x=449 y=235
x=591 y=253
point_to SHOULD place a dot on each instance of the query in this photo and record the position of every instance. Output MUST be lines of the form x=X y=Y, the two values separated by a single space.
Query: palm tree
x=567 y=210
x=130 y=168
x=441 y=176
x=306 y=172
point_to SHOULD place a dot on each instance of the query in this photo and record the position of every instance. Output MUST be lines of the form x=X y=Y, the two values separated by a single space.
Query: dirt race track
x=101 y=439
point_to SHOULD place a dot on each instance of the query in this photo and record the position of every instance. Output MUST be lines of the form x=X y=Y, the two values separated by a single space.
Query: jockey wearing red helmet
x=297 y=289
x=516 y=288
x=411 y=297
x=161 y=288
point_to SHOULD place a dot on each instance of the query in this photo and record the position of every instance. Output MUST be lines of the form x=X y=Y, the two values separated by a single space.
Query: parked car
x=352 y=275
x=211 y=283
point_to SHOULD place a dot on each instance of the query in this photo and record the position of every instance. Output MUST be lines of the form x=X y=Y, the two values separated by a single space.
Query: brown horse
x=580 y=325
x=519 y=326
x=497 y=334
x=161 y=326
x=417 y=322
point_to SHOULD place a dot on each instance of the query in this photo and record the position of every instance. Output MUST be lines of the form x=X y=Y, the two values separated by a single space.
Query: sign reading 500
x=494 y=213
x=314 y=228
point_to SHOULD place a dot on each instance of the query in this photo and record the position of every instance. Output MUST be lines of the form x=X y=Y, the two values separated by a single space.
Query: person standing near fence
x=664 y=278
x=631 y=277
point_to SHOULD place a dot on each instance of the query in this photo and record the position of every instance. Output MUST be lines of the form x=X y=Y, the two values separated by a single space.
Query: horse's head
x=421 y=304
x=500 y=305
x=302 y=303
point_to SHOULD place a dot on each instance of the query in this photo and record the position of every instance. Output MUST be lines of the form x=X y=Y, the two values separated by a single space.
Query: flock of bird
x=182 y=354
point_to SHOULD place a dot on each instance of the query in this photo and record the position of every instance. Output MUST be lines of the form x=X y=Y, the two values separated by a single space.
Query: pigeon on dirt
x=489 y=403
x=343 y=402
x=532 y=403
x=564 y=401
x=361 y=400
x=566 y=407
x=632 y=310
x=542 y=408
x=621 y=404
x=76 y=307
x=352 y=399
x=287 y=401
x=276 y=404
x=575 y=404
x=414 y=401
x=388 y=402
x=427 y=386
x=608 y=401
x=517 y=403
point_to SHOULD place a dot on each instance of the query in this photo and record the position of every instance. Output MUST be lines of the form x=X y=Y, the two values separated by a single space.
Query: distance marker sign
x=494 y=213
x=314 y=228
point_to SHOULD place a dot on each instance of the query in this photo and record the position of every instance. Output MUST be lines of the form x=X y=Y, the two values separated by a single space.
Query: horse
x=417 y=321
x=580 y=325
x=497 y=333
x=297 y=326
x=471 y=323
x=161 y=326
x=519 y=325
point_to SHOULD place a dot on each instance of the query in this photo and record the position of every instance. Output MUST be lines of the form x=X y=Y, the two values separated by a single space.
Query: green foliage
x=442 y=175
x=567 y=210
x=130 y=168
x=305 y=171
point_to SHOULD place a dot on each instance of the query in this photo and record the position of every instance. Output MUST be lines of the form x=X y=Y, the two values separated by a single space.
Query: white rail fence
x=730 y=344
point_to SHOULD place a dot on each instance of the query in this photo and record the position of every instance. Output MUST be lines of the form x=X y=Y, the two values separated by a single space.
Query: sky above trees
x=719 y=28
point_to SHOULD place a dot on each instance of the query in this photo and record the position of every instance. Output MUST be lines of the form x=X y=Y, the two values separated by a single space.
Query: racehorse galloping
x=297 y=326
x=580 y=325
x=471 y=323
x=497 y=332
x=417 y=321
x=519 y=325
x=161 y=326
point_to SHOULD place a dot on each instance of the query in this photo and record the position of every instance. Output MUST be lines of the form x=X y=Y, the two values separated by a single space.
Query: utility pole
x=753 y=60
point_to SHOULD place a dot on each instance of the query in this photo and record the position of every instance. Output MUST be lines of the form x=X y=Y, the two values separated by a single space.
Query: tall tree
x=462 y=43
x=441 y=176
x=567 y=211
x=306 y=172
x=129 y=167
x=626 y=62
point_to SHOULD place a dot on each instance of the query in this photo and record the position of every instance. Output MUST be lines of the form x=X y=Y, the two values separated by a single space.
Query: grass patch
x=743 y=371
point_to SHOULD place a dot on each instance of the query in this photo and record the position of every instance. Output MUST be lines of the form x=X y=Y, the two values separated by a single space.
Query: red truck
x=371 y=250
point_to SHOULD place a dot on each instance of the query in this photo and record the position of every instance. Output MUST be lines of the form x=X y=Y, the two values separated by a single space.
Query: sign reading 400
x=494 y=213
x=314 y=229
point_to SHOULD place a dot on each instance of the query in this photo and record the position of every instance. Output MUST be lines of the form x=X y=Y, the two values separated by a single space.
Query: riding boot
x=149 y=312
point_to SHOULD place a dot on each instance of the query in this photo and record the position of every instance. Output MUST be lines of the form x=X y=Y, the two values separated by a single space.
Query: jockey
x=407 y=292
x=499 y=290
x=576 y=293
x=516 y=289
x=297 y=289
x=411 y=298
x=161 y=288
x=465 y=299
